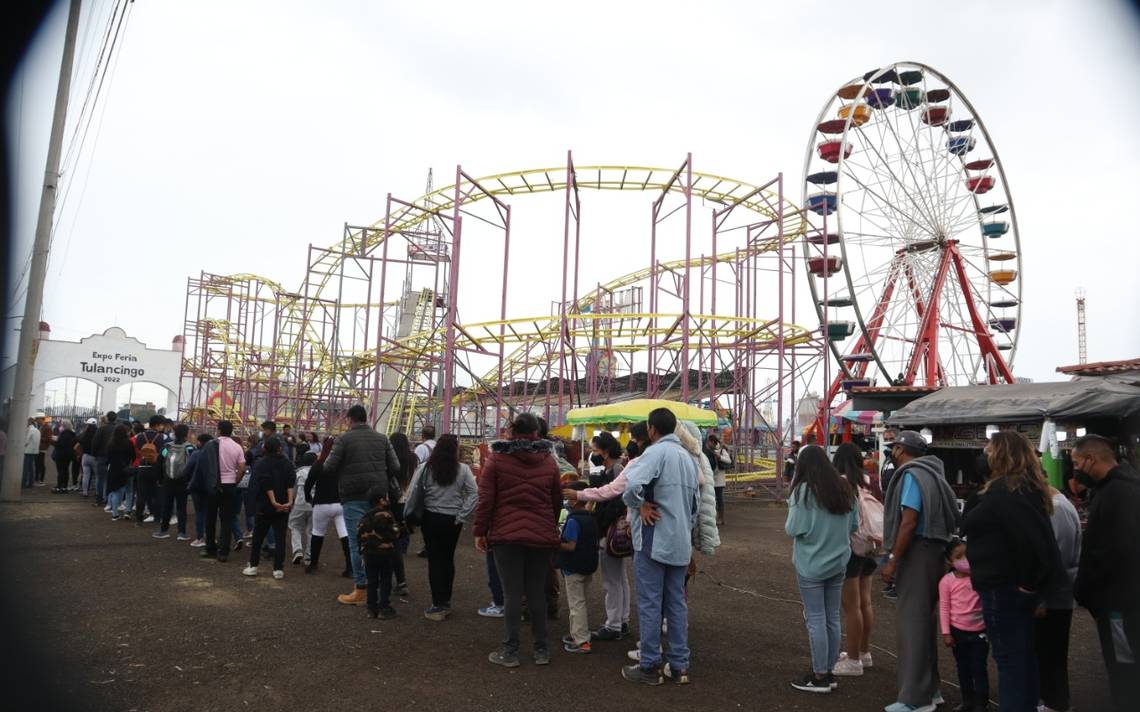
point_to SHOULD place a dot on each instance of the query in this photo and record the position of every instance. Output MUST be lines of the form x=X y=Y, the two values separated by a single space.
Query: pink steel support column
x=780 y=345
x=380 y=322
x=685 y=312
x=563 y=328
x=503 y=318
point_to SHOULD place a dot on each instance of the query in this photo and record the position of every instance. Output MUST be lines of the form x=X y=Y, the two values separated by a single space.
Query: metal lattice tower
x=1082 y=335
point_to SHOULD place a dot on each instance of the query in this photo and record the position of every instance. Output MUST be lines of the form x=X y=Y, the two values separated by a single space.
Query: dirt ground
x=100 y=616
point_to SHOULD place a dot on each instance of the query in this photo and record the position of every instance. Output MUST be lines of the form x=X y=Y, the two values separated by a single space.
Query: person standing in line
x=664 y=493
x=823 y=512
x=609 y=513
x=443 y=494
x=301 y=517
x=578 y=559
x=276 y=480
x=361 y=459
x=31 y=451
x=858 y=614
x=519 y=500
x=321 y=489
x=1055 y=613
x=376 y=538
x=919 y=518
x=1108 y=578
x=44 y=445
x=790 y=462
x=224 y=463
x=720 y=460
x=63 y=455
x=314 y=444
x=964 y=629
x=408 y=464
x=175 y=456
x=195 y=473
x=1014 y=562
x=149 y=445
x=120 y=456
x=427 y=443
x=99 y=450
x=88 y=477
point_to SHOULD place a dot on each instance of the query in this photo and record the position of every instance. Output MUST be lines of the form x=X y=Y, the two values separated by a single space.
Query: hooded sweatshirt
x=939 y=508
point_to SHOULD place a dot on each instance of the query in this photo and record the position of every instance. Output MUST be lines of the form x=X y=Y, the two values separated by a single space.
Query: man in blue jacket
x=663 y=495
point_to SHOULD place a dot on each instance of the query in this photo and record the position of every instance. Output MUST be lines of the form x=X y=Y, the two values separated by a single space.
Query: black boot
x=315 y=543
x=347 y=573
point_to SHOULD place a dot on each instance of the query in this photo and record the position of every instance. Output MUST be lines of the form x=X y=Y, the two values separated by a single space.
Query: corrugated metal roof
x=1101 y=368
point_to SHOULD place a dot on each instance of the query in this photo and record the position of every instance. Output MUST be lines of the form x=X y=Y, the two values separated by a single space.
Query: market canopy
x=637 y=410
x=1023 y=402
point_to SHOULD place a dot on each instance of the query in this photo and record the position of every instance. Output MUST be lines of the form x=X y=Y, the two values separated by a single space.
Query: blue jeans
x=661 y=592
x=29 y=476
x=1010 y=626
x=821 y=613
x=493 y=581
x=101 y=466
x=115 y=498
x=353 y=511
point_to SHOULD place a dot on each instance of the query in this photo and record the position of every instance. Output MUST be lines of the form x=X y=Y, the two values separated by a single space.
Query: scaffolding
x=378 y=319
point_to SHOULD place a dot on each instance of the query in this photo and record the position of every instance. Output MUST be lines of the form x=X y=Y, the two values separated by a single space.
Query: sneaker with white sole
x=634 y=655
x=811 y=683
x=249 y=571
x=149 y=519
x=904 y=707
x=865 y=658
x=492 y=611
x=846 y=667
x=278 y=574
x=182 y=537
x=107 y=509
x=198 y=543
x=161 y=535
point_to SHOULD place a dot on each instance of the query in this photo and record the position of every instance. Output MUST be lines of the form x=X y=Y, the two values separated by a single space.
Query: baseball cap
x=92 y=421
x=911 y=439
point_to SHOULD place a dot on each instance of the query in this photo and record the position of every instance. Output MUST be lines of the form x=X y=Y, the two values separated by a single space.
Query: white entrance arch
x=111 y=359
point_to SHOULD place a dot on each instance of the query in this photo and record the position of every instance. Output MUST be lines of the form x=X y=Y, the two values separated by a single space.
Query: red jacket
x=519 y=494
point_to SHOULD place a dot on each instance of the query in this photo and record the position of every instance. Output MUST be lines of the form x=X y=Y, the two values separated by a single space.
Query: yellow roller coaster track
x=521 y=331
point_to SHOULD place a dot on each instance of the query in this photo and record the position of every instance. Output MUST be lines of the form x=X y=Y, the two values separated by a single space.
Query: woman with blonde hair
x=1013 y=561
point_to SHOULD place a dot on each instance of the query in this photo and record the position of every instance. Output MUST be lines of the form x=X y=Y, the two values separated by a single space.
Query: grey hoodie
x=939 y=507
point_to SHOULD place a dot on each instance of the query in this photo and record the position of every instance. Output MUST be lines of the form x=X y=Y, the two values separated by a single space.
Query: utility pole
x=1082 y=340
x=33 y=303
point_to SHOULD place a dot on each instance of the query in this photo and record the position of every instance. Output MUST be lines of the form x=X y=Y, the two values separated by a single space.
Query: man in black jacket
x=360 y=460
x=102 y=462
x=1108 y=581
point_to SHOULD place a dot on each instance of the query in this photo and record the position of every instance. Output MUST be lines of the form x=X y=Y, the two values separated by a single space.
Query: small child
x=963 y=629
x=376 y=535
x=578 y=560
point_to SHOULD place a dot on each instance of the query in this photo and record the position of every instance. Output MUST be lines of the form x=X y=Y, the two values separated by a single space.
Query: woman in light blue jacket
x=822 y=514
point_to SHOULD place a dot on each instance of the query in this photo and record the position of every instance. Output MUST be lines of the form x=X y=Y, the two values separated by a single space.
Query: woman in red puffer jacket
x=517 y=517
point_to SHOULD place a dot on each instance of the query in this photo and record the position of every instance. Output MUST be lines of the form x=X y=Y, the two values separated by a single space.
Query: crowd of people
x=999 y=578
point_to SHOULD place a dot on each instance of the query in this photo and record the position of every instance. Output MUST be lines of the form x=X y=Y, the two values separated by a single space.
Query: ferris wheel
x=915 y=267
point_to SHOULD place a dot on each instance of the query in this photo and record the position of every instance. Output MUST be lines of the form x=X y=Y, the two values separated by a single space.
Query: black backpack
x=584 y=558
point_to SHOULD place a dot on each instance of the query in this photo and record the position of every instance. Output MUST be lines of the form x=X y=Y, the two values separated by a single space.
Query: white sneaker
x=249 y=571
x=278 y=574
x=634 y=655
x=847 y=667
x=865 y=658
x=938 y=699
x=198 y=543
x=173 y=520
x=107 y=509
x=149 y=519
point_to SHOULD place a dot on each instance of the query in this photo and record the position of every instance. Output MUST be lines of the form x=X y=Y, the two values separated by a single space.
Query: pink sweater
x=608 y=491
x=958 y=605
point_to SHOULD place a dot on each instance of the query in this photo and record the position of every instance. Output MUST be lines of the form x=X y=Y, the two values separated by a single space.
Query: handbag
x=415 y=515
x=619 y=539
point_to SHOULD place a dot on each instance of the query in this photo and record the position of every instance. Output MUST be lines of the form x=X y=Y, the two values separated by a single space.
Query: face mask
x=962 y=565
x=1084 y=478
x=597 y=460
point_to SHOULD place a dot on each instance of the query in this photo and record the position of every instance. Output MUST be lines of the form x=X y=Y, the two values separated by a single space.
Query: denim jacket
x=666 y=474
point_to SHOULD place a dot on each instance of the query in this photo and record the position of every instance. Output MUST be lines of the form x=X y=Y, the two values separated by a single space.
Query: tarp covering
x=634 y=411
x=1020 y=403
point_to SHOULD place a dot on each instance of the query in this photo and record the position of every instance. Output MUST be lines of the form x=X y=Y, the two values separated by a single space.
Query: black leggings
x=441 y=535
x=262 y=523
x=378 y=571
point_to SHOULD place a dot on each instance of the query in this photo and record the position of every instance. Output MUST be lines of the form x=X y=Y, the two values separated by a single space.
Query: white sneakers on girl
x=249 y=571
x=278 y=574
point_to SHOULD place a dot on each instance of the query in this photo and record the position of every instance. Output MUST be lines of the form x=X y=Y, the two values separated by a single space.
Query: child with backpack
x=377 y=535
x=963 y=628
x=173 y=491
x=578 y=559
x=866 y=543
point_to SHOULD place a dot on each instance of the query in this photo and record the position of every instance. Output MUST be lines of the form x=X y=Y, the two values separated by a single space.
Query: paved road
x=99 y=616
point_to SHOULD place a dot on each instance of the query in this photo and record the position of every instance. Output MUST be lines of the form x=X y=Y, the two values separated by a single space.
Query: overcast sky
x=236 y=133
